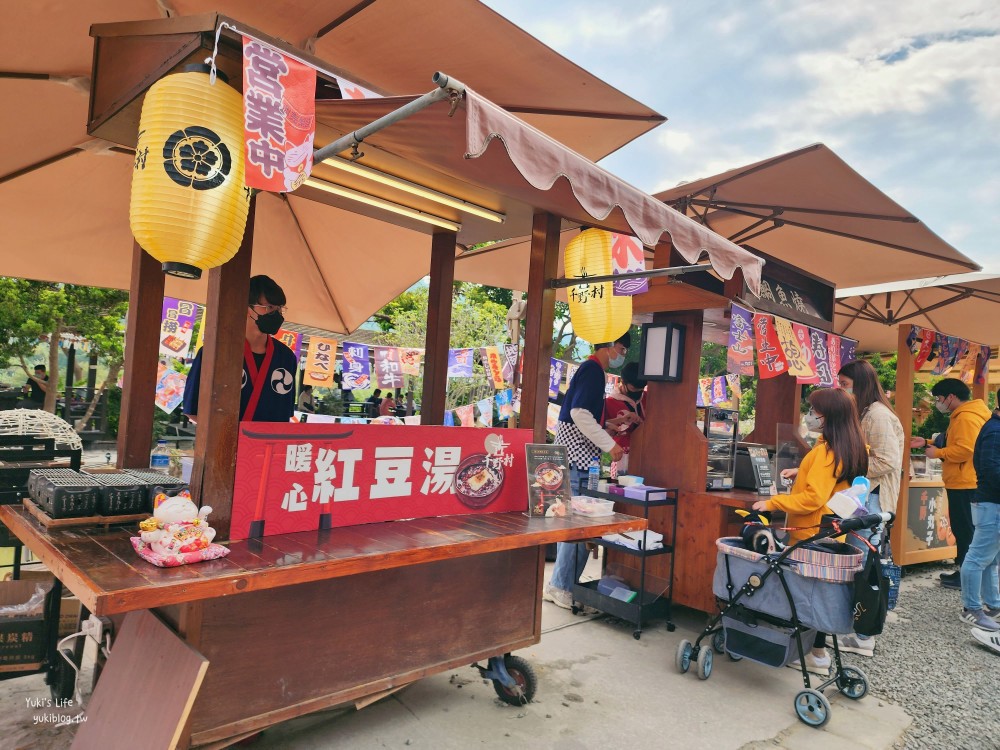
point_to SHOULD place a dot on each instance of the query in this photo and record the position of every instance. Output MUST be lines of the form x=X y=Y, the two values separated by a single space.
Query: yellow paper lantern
x=597 y=315
x=189 y=204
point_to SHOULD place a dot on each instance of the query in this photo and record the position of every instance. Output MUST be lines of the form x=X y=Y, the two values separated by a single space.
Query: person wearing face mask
x=269 y=367
x=884 y=435
x=625 y=410
x=840 y=455
x=581 y=430
x=966 y=418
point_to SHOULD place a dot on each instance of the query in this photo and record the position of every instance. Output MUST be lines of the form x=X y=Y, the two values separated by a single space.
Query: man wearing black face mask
x=268 y=390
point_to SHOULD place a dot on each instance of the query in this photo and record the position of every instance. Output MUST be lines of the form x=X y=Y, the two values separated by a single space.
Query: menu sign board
x=927 y=517
x=548 y=480
x=302 y=477
x=761 y=464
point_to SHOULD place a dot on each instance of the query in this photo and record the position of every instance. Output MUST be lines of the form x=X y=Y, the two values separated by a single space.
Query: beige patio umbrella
x=64 y=195
x=807 y=207
x=810 y=208
x=967 y=306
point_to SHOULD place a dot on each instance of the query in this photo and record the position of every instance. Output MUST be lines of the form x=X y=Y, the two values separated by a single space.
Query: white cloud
x=676 y=141
x=595 y=25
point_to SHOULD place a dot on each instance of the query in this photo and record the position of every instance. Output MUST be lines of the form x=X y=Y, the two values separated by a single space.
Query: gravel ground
x=927 y=662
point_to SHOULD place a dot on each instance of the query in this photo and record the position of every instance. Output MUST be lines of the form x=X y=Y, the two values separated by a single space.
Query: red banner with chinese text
x=926 y=344
x=279 y=118
x=770 y=359
x=303 y=477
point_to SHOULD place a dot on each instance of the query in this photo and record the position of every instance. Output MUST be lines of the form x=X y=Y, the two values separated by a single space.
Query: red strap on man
x=257 y=377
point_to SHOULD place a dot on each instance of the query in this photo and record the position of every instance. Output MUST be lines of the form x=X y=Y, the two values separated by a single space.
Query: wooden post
x=681 y=460
x=439 y=299
x=214 y=472
x=538 y=321
x=142 y=356
x=70 y=379
x=778 y=402
x=903 y=402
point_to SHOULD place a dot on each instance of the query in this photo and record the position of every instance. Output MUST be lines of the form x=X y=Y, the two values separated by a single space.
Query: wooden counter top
x=101 y=568
x=734 y=498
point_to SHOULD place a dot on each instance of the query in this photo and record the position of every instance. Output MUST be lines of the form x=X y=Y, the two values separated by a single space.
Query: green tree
x=33 y=310
x=474 y=323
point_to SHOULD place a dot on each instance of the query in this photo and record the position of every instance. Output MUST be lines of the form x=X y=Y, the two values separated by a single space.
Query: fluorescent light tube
x=371 y=200
x=413 y=188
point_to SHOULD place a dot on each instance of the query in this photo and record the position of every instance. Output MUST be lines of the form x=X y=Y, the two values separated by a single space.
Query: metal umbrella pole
x=448 y=88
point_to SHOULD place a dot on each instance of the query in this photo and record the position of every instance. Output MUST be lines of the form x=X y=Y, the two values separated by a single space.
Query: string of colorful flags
x=946 y=352
x=783 y=347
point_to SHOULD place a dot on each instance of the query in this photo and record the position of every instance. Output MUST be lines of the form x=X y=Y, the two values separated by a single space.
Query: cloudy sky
x=908 y=93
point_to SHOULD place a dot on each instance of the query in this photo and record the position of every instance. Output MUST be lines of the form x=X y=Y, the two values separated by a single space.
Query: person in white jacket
x=886 y=443
x=581 y=430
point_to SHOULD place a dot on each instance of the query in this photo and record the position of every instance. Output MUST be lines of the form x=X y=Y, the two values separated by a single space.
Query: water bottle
x=594 y=474
x=159 y=459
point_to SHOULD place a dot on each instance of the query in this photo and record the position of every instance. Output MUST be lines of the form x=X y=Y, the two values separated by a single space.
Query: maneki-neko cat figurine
x=178 y=532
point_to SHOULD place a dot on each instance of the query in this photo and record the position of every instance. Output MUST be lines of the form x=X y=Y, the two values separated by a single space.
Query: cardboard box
x=22 y=636
x=69 y=607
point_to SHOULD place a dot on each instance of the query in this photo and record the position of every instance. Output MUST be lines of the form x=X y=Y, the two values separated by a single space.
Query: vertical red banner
x=279 y=118
x=926 y=344
x=770 y=359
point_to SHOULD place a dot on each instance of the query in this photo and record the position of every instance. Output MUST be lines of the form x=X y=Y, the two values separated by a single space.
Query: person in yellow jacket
x=838 y=457
x=967 y=417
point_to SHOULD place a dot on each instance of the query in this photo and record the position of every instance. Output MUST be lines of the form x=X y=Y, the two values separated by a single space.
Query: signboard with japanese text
x=279 y=118
x=794 y=356
x=493 y=364
x=356 y=368
x=292 y=478
x=795 y=294
x=388 y=368
x=739 y=358
x=510 y=354
x=176 y=327
x=927 y=517
x=804 y=339
x=319 y=362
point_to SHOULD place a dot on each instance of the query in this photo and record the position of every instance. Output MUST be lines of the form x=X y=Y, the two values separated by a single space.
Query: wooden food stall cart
x=906 y=319
x=819 y=225
x=290 y=623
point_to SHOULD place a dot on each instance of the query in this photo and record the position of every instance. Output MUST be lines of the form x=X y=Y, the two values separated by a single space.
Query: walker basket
x=760 y=641
x=820 y=603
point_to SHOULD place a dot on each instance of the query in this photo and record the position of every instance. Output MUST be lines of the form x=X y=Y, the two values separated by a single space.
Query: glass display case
x=721 y=428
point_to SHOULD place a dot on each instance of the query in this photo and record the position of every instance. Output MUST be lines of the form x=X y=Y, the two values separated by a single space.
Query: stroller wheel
x=853 y=683
x=719 y=641
x=683 y=658
x=705 y=659
x=812 y=708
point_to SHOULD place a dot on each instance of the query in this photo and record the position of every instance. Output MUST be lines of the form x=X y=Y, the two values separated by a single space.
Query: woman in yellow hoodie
x=838 y=457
